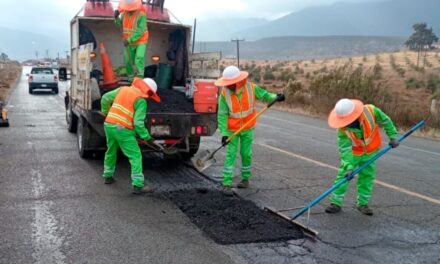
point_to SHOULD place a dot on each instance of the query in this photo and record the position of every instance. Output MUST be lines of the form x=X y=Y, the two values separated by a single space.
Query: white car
x=43 y=78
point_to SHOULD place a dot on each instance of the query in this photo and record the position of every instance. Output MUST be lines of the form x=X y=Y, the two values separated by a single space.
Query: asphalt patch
x=171 y=101
x=231 y=220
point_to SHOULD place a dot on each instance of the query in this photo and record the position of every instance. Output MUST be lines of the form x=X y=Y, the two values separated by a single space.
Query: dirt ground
x=9 y=72
x=231 y=220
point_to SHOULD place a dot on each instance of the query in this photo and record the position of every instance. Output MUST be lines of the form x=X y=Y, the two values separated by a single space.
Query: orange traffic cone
x=110 y=79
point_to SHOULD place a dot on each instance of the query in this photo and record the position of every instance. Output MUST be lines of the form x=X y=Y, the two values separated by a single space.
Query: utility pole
x=238 y=49
x=36 y=54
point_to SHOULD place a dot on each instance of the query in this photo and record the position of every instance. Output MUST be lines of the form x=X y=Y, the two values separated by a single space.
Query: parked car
x=43 y=78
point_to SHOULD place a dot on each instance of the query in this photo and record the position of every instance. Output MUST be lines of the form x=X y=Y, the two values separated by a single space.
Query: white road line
x=47 y=244
x=421 y=150
x=381 y=183
x=328 y=130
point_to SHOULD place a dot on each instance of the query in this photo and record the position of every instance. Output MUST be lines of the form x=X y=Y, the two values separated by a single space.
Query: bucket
x=205 y=97
x=165 y=76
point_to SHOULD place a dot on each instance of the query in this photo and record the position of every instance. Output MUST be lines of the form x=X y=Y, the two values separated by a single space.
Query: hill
x=295 y=48
x=21 y=45
x=384 y=18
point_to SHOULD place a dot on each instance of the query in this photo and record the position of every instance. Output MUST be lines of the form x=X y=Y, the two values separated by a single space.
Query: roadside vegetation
x=9 y=73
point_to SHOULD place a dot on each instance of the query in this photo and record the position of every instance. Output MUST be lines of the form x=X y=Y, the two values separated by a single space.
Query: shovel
x=206 y=158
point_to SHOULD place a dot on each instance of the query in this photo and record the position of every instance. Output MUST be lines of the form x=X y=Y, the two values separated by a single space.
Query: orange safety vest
x=372 y=140
x=130 y=25
x=240 y=112
x=122 y=110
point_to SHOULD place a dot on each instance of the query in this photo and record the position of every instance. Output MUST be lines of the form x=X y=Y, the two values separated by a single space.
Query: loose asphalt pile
x=172 y=101
x=231 y=220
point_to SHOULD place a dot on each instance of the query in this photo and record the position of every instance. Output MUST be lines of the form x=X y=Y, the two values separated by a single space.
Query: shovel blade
x=203 y=160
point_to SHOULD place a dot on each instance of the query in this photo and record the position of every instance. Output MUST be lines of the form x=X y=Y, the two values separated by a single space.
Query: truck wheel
x=83 y=136
x=55 y=90
x=30 y=90
x=71 y=119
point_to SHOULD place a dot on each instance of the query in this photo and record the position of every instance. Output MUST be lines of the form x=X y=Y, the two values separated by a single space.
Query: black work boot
x=333 y=209
x=227 y=191
x=142 y=190
x=109 y=180
x=365 y=209
x=244 y=184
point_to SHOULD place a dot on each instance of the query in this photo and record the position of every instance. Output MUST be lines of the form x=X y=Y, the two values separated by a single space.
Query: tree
x=421 y=40
x=4 y=57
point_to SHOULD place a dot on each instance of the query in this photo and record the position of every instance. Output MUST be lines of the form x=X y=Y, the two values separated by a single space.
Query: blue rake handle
x=359 y=169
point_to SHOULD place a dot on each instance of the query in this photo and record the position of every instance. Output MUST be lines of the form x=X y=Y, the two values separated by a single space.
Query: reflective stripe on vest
x=371 y=140
x=241 y=111
x=122 y=110
x=130 y=26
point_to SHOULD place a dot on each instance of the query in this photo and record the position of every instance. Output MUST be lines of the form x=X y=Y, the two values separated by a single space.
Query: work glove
x=348 y=173
x=126 y=43
x=394 y=143
x=117 y=13
x=281 y=97
x=225 y=140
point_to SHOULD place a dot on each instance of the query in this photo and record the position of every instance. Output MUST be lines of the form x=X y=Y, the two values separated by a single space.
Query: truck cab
x=176 y=123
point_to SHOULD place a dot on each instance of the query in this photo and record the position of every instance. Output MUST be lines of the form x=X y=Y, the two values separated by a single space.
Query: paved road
x=55 y=209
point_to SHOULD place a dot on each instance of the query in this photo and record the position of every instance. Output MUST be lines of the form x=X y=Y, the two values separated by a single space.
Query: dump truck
x=175 y=123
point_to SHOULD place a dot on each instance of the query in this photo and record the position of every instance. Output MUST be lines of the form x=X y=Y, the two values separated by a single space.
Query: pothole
x=231 y=220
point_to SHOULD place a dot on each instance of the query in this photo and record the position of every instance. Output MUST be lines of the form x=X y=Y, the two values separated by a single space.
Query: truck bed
x=172 y=101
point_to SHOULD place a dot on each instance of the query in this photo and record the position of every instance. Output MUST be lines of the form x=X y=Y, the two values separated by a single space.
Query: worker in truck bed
x=133 y=20
x=359 y=141
x=125 y=109
x=237 y=105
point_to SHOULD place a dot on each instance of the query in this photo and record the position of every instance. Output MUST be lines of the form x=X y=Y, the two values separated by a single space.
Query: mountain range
x=376 y=18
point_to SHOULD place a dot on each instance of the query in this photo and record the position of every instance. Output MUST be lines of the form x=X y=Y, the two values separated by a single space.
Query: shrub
x=345 y=82
x=433 y=84
x=364 y=59
x=377 y=71
x=413 y=83
x=396 y=67
x=268 y=76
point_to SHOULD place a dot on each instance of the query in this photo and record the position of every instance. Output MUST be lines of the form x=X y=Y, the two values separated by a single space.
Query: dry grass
x=9 y=73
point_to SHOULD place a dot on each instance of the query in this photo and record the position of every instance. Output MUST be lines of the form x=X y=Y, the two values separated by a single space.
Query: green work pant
x=365 y=181
x=245 y=140
x=137 y=58
x=121 y=137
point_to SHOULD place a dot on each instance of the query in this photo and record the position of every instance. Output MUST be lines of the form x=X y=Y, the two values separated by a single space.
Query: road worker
x=131 y=16
x=237 y=105
x=125 y=109
x=359 y=140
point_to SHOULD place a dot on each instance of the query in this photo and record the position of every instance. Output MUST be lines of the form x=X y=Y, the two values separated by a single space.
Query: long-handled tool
x=359 y=169
x=205 y=159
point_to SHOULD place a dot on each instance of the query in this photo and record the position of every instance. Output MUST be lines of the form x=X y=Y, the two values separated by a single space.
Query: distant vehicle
x=42 y=78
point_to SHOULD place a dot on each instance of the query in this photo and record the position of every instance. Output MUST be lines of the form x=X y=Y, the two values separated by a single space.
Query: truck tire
x=82 y=139
x=71 y=119
x=55 y=90
x=30 y=90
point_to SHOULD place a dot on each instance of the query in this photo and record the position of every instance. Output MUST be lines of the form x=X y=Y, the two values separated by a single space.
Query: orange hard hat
x=129 y=5
x=345 y=112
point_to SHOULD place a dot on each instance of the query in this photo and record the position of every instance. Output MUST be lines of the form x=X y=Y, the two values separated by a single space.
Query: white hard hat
x=231 y=75
x=151 y=84
x=231 y=72
x=344 y=107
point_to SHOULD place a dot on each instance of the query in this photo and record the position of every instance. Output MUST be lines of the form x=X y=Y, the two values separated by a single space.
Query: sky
x=51 y=17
